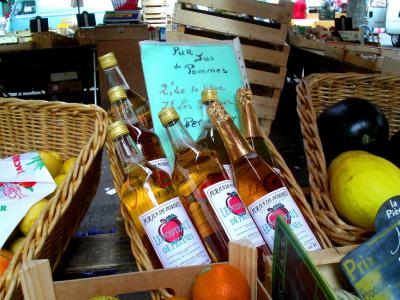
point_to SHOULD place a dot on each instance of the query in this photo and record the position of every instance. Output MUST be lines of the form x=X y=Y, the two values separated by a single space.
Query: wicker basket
x=139 y=251
x=50 y=39
x=72 y=130
x=314 y=94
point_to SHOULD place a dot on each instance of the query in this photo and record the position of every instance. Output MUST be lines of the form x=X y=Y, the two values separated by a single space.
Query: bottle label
x=232 y=213
x=280 y=203
x=228 y=169
x=162 y=163
x=173 y=235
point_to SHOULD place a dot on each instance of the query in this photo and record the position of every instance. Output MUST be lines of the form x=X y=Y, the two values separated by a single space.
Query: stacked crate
x=155 y=12
x=262 y=38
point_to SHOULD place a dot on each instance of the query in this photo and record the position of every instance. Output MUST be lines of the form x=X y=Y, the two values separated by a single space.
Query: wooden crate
x=366 y=56
x=155 y=15
x=37 y=281
x=264 y=48
x=298 y=40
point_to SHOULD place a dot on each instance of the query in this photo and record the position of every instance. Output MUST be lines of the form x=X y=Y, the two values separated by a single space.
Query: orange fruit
x=221 y=282
x=5 y=258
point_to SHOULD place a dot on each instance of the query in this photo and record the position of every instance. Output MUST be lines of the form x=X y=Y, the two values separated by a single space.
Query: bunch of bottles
x=222 y=187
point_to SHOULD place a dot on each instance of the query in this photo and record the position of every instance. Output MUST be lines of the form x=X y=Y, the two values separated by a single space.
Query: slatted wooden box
x=264 y=48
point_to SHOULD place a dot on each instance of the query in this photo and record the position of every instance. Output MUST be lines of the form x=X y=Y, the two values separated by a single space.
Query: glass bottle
x=155 y=208
x=207 y=190
x=114 y=77
x=261 y=189
x=250 y=127
x=147 y=141
x=209 y=137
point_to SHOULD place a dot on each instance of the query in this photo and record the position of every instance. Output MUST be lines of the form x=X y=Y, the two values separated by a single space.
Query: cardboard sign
x=294 y=275
x=373 y=267
x=176 y=73
x=24 y=180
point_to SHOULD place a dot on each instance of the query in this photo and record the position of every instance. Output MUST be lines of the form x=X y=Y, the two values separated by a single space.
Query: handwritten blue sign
x=176 y=73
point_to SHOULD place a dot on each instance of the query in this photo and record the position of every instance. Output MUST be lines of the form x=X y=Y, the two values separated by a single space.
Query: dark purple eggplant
x=353 y=124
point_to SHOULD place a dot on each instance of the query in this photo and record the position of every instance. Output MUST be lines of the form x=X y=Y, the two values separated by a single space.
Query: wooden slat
x=153 y=2
x=266 y=107
x=268 y=56
x=154 y=10
x=243 y=255
x=229 y=26
x=154 y=16
x=266 y=78
x=330 y=256
x=281 y=13
x=37 y=281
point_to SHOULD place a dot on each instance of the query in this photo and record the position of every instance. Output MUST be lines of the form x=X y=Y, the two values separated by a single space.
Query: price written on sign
x=175 y=75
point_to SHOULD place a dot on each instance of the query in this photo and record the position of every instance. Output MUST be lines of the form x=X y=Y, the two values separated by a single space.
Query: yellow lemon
x=15 y=245
x=56 y=155
x=60 y=179
x=69 y=164
x=52 y=163
x=32 y=215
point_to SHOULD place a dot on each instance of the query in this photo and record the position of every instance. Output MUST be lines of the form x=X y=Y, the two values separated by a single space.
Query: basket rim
x=56 y=208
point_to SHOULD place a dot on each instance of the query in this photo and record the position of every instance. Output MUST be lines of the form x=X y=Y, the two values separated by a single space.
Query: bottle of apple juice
x=155 y=208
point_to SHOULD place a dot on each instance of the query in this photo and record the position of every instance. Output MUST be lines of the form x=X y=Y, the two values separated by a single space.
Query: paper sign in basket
x=24 y=180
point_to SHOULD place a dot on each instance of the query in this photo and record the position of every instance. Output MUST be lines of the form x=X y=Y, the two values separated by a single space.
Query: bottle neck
x=180 y=138
x=235 y=144
x=123 y=110
x=205 y=118
x=115 y=77
x=249 y=122
x=127 y=152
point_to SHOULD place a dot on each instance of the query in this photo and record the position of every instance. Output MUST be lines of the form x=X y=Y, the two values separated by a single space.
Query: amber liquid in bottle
x=147 y=141
x=157 y=212
x=209 y=138
x=203 y=183
x=115 y=78
x=193 y=173
x=261 y=189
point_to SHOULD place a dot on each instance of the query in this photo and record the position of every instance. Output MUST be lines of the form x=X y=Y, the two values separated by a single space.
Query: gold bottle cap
x=209 y=95
x=116 y=93
x=244 y=95
x=217 y=112
x=117 y=129
x=167 y=115
x=107 y=61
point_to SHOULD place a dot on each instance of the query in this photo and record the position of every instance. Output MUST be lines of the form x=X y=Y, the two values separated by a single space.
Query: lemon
x=360 y=183
x=15 y=245
x=60 y=179
x=52 y=163
x=32 y=215
x=69 y=164
x=56 y=155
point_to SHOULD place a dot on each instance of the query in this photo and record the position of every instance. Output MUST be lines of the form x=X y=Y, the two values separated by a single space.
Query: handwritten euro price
x=179 y=104
x=170 y=89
